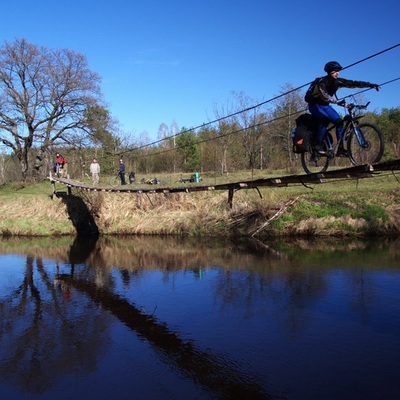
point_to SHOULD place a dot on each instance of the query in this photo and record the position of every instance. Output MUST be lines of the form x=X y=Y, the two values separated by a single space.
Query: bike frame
x=351 y=125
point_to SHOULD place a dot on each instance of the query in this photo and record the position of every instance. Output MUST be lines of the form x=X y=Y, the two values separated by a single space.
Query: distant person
x=61 y=165
x=121 y=171
x=132 y=177
x=321 y=94
x=95 y=171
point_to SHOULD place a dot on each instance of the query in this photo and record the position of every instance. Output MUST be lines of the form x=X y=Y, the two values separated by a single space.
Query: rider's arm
x=325 y=96
x=357 y=84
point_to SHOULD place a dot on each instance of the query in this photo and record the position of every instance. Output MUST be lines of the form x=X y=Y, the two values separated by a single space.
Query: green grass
x=29 y=209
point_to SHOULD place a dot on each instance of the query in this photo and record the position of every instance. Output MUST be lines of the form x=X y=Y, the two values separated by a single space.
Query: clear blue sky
x=163 y=61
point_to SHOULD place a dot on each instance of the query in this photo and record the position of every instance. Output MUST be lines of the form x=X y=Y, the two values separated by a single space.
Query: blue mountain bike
x=365 y=144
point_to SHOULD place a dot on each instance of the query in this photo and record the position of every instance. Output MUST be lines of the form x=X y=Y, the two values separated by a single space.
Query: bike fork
x=359 y=134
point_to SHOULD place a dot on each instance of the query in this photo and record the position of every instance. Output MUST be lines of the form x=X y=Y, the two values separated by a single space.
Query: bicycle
x=365 y=144
x=185 y=180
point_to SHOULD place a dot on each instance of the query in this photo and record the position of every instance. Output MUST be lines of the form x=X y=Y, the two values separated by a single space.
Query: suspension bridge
x=351 y=173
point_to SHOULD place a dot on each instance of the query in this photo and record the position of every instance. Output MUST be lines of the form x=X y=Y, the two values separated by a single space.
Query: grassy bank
x=365 y=207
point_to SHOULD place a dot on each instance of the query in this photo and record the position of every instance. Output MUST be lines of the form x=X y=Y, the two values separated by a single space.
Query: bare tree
x=225 y=133
x=246 y=121
x=44 y=96
x=287 y=109
x=163 y=131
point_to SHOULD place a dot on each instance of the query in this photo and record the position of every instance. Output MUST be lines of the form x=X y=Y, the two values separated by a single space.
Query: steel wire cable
x=252 y=108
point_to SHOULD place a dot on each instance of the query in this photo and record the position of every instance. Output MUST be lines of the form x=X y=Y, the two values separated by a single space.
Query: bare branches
x=44 y=95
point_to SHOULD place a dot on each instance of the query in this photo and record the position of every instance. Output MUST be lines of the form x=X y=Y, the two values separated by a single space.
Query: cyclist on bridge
x=322 y=93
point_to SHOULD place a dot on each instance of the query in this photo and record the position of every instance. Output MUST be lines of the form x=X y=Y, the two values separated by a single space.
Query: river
x=168 y=318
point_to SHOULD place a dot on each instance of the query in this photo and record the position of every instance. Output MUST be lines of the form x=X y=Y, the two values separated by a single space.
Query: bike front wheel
x=365 y=144
x=114 y=181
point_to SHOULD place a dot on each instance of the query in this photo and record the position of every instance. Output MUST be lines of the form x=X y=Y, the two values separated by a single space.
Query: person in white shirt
x=95 y=171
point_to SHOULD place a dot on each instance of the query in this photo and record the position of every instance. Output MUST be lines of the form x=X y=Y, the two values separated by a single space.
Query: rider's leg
x=321 y=132
x=320 y=112
x=339 y=129
x=326 y=114
x=332 y=115
x=341 y=152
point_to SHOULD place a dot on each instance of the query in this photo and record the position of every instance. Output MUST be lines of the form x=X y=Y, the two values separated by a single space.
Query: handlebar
x=358 y=106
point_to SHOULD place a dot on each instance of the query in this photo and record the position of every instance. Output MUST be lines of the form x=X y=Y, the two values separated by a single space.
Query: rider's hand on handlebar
x=342 y=103
x=374 y=86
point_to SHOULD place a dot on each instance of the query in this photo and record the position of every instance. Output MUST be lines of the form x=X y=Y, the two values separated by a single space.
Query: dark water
x=150 y=318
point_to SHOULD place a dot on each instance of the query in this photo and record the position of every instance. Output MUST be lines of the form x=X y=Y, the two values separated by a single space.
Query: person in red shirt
x=61 y=166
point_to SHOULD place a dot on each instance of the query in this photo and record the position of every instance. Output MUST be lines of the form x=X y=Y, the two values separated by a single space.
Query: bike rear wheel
x=315 y=164
x=371 y=150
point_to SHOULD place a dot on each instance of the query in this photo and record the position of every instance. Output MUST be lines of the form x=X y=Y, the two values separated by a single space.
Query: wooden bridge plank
x=357 y=172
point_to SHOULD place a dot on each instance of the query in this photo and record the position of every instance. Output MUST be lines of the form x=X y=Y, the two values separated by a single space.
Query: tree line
x=50 y=101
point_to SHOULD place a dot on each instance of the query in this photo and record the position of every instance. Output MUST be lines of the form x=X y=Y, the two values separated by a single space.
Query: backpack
x=310 y=94
x=306 y=127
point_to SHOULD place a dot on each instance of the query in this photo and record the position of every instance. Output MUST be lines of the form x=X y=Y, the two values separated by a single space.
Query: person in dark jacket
x=121 y=171
x=321 y=94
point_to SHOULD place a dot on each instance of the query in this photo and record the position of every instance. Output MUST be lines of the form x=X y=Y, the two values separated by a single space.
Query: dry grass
x=29 y=210
x=181 y=214
x=37 y=217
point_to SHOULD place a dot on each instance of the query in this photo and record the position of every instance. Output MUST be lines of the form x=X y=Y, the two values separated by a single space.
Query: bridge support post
x=53 y=195
x=230 y=198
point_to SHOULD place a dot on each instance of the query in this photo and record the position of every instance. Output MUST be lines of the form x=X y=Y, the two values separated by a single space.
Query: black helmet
x=332 y=66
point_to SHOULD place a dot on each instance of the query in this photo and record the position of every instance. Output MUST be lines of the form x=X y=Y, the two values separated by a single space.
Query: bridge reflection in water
x=229 y=320
x=214 y=372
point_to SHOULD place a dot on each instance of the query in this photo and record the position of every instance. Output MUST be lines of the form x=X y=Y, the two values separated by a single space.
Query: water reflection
x=51 y=344
x=58 y=311
x=43 y=334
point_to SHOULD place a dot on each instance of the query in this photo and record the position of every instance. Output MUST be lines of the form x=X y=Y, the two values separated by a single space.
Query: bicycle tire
x=114 y=181
x=372 y=152
x=317 y=164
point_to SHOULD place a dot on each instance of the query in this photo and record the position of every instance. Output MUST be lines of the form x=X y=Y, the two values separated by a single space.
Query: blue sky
x=175 y=61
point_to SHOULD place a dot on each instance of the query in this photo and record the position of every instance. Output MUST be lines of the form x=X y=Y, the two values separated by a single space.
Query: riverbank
x=347 y=208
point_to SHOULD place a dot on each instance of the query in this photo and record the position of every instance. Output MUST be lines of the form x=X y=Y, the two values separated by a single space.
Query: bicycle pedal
x=342 y=153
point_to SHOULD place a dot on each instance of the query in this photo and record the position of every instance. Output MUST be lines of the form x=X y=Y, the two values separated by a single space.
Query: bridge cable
x=259 y=104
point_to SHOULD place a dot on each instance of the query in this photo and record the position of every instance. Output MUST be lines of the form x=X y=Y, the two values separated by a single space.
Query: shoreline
x=350 y=208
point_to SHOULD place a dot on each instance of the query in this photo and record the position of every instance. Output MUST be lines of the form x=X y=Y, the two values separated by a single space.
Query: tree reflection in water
x=57 y=327
x=57 y=321
x=47 y=332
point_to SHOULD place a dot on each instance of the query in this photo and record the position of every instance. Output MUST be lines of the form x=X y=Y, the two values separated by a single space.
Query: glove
x=374 y=86
x=342 y=103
